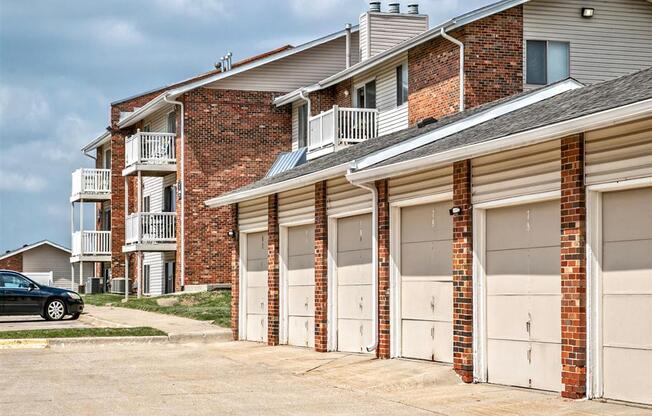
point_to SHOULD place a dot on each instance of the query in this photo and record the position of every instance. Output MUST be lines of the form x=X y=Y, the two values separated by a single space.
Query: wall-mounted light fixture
x=232 y=233
x=455 y=211
x=588 y=12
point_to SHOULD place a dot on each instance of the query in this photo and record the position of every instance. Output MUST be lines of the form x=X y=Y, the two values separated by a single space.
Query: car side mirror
x=31 y=287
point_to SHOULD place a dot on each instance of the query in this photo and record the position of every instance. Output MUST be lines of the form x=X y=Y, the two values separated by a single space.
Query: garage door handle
x=432 y=303
x=307 y=301
x=360 y=329
x=361 y=301
x=529 y=355
x=432 y=332
x=262 y=305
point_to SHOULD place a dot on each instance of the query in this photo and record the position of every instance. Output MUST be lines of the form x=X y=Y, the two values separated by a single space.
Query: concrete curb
x=15 y=344
x=200 y=337
x=62 y=342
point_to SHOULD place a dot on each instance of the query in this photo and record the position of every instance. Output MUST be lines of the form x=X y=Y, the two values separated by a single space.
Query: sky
x=62 y=62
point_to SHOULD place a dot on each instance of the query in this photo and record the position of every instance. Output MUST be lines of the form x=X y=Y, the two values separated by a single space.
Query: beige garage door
x=301 y=286
x=426 y=282
x=256 y=278
x=524 y=295
x=627 y=295
x=354 y=283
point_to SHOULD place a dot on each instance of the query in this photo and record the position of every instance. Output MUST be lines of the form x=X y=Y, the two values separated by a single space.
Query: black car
x=20 y=295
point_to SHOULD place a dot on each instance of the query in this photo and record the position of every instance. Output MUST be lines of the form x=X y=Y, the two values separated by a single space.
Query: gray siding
x=46 y=258
x=381 y=31
x=615 y=42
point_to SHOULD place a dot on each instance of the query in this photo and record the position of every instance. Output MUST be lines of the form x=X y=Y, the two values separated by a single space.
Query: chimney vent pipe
x=395 y=7
x=374 y=6
x=413 y=8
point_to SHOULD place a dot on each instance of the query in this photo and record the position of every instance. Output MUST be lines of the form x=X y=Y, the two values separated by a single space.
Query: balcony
x=340 y=127
x=91 y=246
x=91 y=185
x=151 y=154
x=151 y=231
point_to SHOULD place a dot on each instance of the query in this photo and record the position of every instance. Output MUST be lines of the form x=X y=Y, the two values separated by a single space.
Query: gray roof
x=565 y=106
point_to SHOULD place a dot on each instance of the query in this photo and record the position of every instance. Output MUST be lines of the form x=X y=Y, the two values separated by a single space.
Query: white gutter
x=550 y=132
x=307 y=100
x=143 y=111
x=294 y=183
x=461 y=45
x=468 y=122
x=182 y=191
x=374 y=261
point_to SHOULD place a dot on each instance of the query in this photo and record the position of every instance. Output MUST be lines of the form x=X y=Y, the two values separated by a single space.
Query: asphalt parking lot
x=238 y=378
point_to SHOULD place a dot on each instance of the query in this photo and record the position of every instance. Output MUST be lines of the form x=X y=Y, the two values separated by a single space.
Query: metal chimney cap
x=413 y=8
x=395 y=7
x=374 y=6
x=348 y=26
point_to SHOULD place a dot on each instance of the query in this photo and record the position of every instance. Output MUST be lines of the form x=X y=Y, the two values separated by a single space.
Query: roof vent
x=395 y=7
x=413 y=8
x=374 y=6
x=25 y=245
x=426 y=122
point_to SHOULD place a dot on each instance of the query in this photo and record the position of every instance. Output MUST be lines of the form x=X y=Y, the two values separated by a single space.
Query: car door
x=20 y=299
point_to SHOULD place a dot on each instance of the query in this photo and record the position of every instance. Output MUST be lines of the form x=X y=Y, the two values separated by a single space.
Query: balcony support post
x=126 y=222
x=139 y=206
x=72 y=240
x=81 y=245
x=140 y=274
x=126 y=277
x=336 y=134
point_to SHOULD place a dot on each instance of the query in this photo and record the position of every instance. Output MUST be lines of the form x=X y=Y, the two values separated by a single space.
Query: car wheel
x=75 y=316
x=55 y=310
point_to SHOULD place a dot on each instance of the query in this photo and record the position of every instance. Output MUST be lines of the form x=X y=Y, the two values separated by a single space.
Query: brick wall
x=573 y=268
x=14 y=263
x=493 y=66
x=321 y=268
x=273 y=285
x=463 y=272
x=339 y=94
x=232 y=138
x=235 y=273
x=383 y=350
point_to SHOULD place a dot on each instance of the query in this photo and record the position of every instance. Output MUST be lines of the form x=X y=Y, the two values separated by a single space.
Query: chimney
x=395 y=7
x=374 y=6
x=413 y=8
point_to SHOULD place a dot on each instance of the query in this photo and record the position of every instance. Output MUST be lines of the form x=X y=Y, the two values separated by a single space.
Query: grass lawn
x=81 y=332
x=204 y=306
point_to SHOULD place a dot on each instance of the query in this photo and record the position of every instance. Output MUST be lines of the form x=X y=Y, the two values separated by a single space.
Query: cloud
x=195 y=8
x=321 y=9
x=16 y=182
x=116 y=32
x=22 y=105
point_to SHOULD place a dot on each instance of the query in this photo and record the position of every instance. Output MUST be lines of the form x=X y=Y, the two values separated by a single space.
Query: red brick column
x=272 y=270
x=573 y=268
x=383 y=350
x=117 y=204
x=463 y=272
x=321 y=268
x=235 y=272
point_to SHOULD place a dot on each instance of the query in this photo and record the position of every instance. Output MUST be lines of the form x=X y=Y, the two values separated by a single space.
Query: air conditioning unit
x=118 y=285
x=94 y=285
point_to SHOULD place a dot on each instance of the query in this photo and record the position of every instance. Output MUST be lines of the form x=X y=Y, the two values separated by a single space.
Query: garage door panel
x=256 y=246
x=301 y=300
x=627 y=266
x=506 y=228
x=544 y=223
x=627 y=320
x=301 y=331
x=627 y=215
x=427 y=300
x=257 y=278
x=354 y=233
x=545 y=267
x=430 y=222
x=545 y=313
x=354 y=267
x=546 y=366
x=353 y=335
x=507 y=317
x=301 y=269
x=627 y=374
x=417 y=339
x=354 y=302
x=256 y=327
x=257 y=300
x=443 y=343
x=429 y=260
x=507 y=362
x=301 y=240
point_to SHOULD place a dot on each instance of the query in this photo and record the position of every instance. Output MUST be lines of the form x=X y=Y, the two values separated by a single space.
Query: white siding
x=523 y=171
x=46 y=258
x=619 y=153
x=295 y=124
x=615 y=42
x=390 y=118
x=381 y=31
x=252 y=215
x=296 y=205
x=64 y=282
x=158 y=121
x=342 y=197
x=431 y=182
x=295 y=71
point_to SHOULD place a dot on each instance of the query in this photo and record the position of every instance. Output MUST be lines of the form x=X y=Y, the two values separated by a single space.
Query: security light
x=588 y=12
x=455 y=210
x=232 y=233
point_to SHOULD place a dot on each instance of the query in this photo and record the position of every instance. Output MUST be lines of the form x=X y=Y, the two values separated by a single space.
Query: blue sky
x=63 y=61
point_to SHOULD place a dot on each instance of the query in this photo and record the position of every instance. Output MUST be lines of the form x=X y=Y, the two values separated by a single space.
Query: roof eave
x=97 y=142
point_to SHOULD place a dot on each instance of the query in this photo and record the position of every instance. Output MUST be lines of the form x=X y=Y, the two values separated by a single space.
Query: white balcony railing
x=150 y=148
x=91 y=243
x=342 y=126
x=151 y=227
x=91 y=181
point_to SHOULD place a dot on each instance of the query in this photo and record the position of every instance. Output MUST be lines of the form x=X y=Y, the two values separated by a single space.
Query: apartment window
x=146 y=278
x=401 y=85
x=106 y=220
x=147 y=128
x=547 y=61
x=302 y=114
x=107 y=159
x=365 y=95
x=146 y=205
x=170 y=199
x=172 y=122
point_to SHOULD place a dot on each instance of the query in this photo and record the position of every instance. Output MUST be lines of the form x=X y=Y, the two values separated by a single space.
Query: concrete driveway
x=18 y=323
x=236 y=378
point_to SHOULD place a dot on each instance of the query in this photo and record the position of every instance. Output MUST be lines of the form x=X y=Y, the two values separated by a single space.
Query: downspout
x=182 y=191
x=461 y=45
x=374 y=261
x=348 y=44
x=304 y=97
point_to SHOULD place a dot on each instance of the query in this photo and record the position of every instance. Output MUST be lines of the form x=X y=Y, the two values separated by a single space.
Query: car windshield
x=12 y=281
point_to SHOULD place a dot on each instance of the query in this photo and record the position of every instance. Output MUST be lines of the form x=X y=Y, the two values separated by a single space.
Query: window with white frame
x=401 y=85
x=546 y=61
x=302 y=115
x=172 y=122
x=146 y=203
x=365 y=95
